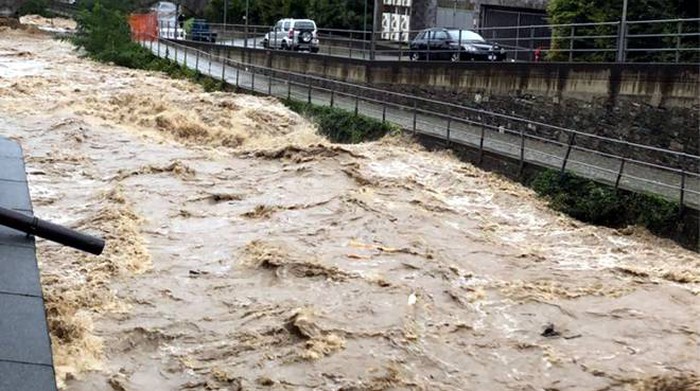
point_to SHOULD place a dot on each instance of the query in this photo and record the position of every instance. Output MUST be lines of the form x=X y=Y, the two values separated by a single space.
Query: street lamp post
x=245 y=41
x=376 y=27
x=225 y=11
x=622 y=36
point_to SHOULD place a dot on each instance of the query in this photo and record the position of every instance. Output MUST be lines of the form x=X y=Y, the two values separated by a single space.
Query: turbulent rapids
x=247 y=252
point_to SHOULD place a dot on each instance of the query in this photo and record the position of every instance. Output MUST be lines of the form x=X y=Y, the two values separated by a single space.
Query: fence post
x=209 y=57
x=158 y=46
x=522 y=152
x=350 y=45
x=252 y=81
x=415 y=114
x=332 y=97
x=481 y=143
x=571 y=43
x=238 y=71
x=184 y=62
x=289 y=86
x=619 y=173
x=568 y=152
x=678 y=41
x=176 y=54
x=309 y=94
x=196 y=62
x=357 y=101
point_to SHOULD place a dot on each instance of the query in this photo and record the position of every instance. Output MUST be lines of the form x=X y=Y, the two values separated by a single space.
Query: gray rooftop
x=25 y=350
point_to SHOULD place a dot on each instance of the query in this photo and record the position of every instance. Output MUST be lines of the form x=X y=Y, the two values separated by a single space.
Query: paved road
x=545 y=153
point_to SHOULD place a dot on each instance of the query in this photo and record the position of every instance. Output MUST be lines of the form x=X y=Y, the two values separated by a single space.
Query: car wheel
x=455 y=57
x=284 y=45
x=265 y=44
x=414 y=56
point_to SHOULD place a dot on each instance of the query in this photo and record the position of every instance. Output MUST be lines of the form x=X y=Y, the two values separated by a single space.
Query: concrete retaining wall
x=659 y=85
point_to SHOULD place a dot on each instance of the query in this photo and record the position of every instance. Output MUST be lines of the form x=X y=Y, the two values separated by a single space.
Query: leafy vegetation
x=341 y=126
x=342 y=14
x=599 y=11
x=104 y=34
x=600 y=204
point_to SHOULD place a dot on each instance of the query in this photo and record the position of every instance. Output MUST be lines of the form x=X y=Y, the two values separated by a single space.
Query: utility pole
x=622 y=36
x=376 y=27
x=225 y=11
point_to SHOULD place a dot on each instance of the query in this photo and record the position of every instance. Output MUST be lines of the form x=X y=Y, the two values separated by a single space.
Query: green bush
x=341 y=126
x=600 y=204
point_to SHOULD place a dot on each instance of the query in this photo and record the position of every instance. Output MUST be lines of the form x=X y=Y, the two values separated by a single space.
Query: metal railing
x=622 y=164
x=675 y=40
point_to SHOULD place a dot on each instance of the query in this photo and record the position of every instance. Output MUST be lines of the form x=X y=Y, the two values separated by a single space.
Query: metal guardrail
x=669 y=40
x=516 y=137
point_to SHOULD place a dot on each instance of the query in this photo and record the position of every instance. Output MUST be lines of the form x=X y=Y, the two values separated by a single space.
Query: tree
x=600 y=11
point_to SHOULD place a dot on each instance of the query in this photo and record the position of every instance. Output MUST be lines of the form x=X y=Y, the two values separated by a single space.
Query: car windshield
x=466 y=36
x=304 y=24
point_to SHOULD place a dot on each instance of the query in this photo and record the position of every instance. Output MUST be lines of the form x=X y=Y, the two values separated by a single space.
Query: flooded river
x=245 y=252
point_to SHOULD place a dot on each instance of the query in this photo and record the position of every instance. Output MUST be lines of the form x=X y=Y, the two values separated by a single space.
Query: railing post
x=196 y=62
x=289 y=86
x=415 y=114
x=449 y=125
x=350 y=45
x=678 y=41
x=238 y=71
x=572 y=137
x=332 y=97
x=682 y=200
x=252 y=80
x=571 y=43
x=309 y=94
x=532 y=43
x=357 y=101
x=176 y=54
x=269 y=84
x=209 y=57
x=619 y=173
x=384 y=110
x=481 y=143
x=158 y=46
x=223 y=69
x=522 y=152
x=184 y=62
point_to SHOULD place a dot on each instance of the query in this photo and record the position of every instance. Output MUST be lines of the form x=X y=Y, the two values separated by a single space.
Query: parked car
x=200 y=31
x=454 y=45
x=293 y=34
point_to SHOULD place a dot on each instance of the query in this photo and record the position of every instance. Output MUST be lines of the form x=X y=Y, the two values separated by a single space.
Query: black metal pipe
x=34 y=226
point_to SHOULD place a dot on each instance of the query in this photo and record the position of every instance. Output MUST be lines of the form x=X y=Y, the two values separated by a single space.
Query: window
x=421 y=35
x=439 y=35
x=286 y=25
x=304 y=25
x=278 y=26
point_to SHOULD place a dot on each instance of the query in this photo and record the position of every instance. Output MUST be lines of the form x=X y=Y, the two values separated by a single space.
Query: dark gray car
x=440 y=44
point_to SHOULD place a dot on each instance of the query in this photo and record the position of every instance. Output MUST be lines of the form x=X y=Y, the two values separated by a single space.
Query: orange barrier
x=144 y=26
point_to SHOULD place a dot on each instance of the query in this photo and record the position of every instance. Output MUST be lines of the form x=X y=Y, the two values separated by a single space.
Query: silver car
x=293 y=34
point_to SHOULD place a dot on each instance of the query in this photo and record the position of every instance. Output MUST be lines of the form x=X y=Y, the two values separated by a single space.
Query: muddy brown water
x=245 y=252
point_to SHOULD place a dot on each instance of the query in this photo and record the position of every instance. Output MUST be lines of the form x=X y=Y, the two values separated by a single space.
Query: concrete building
x=401 y=16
